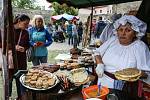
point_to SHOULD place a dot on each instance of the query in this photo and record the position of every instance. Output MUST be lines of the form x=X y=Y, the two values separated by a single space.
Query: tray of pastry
x=47 y=67
x=128 y=74
x=37 y=79
x=78 y=76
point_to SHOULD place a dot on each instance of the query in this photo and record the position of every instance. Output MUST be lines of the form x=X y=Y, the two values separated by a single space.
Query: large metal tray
x=22 y=78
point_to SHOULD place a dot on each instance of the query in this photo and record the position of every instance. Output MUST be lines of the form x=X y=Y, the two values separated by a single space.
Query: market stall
x=79 y=63
x=141 y=14
x=59 y=81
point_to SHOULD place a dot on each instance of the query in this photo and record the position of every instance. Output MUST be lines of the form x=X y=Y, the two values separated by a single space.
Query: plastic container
x=86 y=92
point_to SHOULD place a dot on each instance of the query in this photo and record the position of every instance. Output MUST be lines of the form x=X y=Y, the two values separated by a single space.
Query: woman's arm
x=100 y=66
x=30 y=31
x=49 y=39
x=142 y=55
x=98 y=59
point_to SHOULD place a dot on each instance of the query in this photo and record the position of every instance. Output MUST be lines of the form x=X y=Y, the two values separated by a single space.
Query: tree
x=61 y=9
x=25 y=4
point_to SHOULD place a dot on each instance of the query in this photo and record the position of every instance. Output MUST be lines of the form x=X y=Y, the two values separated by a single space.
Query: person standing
x=69 y=32
x=80 y=31
x=39 y=39
x=50 y=29
x=75 y=34
x=93 y=28
x=108 y=30
x=21 y=23
x=100 y=25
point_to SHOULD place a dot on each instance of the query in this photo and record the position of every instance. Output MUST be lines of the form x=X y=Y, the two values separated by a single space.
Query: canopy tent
x=64 y=16
x=90 y=3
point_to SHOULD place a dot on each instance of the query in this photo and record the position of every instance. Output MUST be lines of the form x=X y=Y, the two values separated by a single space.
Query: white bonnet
x=137 y=25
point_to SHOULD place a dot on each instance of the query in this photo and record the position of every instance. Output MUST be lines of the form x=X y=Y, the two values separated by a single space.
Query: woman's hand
x=37 y=44
x=143 y=75
x=100 y=66
x=20 y=48
x=40 y=43
x=100 y=70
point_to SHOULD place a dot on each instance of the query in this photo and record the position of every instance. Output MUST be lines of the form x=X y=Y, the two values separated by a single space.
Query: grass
x=51 y=60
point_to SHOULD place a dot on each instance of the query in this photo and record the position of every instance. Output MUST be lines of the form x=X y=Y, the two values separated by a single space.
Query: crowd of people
x=73 y=30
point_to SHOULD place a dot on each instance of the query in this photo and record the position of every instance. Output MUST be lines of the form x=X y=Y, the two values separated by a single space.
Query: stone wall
x=45 y=13
x=118 y=8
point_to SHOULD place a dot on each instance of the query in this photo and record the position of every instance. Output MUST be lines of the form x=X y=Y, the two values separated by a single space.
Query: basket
x=103 y=92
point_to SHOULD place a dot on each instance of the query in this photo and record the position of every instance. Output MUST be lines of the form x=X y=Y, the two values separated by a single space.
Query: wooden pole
x=11 y=35
x=8 y=41
x=4 y=47
x=91 y=23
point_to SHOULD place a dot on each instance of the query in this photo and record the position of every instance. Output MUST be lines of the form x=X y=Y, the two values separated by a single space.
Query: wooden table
x=50 y=95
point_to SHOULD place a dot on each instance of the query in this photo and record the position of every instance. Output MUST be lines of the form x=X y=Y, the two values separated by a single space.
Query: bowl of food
x=92 y=92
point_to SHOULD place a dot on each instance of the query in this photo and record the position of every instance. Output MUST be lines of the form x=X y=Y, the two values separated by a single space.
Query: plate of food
x=128 y=74
x=78 y=76
x=39 y=80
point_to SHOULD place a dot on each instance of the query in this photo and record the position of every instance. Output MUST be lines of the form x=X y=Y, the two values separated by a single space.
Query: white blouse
x=117 y=57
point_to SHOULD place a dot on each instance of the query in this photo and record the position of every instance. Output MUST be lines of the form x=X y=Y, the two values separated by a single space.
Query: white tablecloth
x=63 y=57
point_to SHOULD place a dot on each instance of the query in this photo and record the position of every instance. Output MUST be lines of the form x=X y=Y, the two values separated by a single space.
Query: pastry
x=128 y=74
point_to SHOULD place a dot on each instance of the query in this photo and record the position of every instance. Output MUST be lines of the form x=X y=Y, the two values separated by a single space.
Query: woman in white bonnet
x=125 y=50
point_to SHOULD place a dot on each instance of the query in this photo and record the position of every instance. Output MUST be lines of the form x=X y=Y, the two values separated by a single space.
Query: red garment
x=93 y=27
x=24 y=42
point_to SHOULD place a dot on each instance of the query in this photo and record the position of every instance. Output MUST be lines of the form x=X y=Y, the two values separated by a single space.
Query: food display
x=69 y=64
x=50 y=68
x=65 y=83
x=129 y=74
x=75 y=51
x=78 y=76
x=60 y=73
x=38 y=79
x=86 y=59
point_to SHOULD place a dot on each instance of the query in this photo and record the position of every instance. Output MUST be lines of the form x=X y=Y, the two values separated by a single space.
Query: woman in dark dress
x=21 y=23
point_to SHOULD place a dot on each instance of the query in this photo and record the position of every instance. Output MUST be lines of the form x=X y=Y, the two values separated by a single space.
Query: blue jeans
x=70 y=39
x=75 y=41
x=39 y=59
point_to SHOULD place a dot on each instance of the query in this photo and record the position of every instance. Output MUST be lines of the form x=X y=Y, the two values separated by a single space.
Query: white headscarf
x=137 y=25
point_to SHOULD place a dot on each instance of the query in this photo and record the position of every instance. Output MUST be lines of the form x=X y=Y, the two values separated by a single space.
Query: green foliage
x=24 y=4
x=61 y=9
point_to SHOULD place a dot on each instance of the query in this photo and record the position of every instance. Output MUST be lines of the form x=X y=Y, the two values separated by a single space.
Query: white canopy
x=65 y=16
